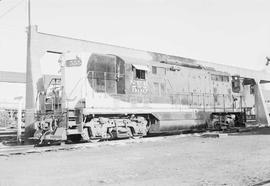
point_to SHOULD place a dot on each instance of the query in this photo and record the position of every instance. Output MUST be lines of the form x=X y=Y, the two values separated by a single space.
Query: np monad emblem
x=74 y=62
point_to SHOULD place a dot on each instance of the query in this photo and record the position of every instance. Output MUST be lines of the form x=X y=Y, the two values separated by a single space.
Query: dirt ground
x=172 y=160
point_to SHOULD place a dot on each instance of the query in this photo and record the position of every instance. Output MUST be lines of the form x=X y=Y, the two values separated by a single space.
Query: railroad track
x=10 y=150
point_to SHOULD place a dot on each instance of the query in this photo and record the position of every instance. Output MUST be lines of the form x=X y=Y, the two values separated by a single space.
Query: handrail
x=194 y=100
x=112 y=73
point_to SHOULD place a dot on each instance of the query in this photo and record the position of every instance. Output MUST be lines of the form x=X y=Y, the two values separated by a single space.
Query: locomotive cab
x=95 y=114
x=106 y=73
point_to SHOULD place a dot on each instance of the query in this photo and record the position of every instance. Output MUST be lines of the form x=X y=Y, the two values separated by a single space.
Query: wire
x=3 y=29
x=11 y=8
x=8 y=26
x=11 y=28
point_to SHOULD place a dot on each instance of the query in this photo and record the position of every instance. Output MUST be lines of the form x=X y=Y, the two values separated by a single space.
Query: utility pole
x=29 y=13
x=29 y=84
x=28 y=28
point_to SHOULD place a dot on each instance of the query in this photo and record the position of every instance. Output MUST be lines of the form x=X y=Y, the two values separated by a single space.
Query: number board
x=74 y=62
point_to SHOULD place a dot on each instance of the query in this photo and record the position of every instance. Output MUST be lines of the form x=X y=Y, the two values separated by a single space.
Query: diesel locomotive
x=107 y=96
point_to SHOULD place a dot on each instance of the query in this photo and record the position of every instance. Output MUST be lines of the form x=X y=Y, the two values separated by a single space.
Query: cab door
x=101 y=70
x=120 y=75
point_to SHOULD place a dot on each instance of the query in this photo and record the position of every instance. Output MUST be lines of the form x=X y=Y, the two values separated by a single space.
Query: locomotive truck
x=107 y=96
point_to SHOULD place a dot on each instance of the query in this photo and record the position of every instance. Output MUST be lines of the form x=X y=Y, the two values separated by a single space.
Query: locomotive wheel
x=130 y=133
x=85 y=134
x=217 y=125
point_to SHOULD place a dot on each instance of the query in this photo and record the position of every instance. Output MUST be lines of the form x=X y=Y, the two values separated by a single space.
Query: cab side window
x=154 y=70
x=236 y=84
x=140 y=74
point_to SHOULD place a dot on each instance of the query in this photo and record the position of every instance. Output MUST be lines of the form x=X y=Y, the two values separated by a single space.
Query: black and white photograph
x=134 y=92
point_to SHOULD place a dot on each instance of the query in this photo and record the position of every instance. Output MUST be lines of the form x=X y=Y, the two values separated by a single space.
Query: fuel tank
x=173 y=121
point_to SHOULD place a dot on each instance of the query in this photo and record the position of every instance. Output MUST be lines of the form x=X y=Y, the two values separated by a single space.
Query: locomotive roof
x=142 y=54
x=164 y=64
x=136 y=61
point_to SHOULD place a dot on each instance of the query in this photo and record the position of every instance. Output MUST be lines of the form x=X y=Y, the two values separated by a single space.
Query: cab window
x=140 y=74
x=154 y=70
x=236 y=84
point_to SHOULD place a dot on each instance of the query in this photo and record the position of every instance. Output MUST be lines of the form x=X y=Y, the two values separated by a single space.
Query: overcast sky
x=234 y=32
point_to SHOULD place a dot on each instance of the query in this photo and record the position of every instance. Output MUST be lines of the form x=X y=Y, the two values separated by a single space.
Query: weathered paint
x=174 y=81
